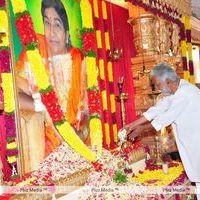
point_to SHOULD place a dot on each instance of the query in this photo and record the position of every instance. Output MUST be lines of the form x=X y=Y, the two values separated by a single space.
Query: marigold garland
x=8 y=91
x=64 y=128
x=4 y=21
x=49 y=99
x=94 y=103
x=94 y=97
x=35 y=59
x=92 y=72
x=7 y=86
x=89 y=42
x=86 y=12
x=12 y=159
x=189 y=48
x=5 y=60
x=19 y=6
x=4 y=28
x=25 y=29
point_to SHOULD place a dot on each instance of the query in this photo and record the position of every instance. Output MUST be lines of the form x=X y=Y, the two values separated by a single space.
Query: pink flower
x=110 y=172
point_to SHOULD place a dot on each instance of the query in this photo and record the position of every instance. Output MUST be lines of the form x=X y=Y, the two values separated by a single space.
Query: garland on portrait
x=93 y=91
x=28 y=39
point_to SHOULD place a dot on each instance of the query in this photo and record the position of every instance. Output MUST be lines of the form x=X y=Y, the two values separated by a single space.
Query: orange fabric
x=74 y=96
x=75 y=90
x=51 y=141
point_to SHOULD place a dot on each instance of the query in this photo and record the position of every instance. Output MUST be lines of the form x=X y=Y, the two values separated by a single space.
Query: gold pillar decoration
x=144 y=31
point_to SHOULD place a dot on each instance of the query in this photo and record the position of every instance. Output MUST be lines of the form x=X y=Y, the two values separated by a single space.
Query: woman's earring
x=68 y=41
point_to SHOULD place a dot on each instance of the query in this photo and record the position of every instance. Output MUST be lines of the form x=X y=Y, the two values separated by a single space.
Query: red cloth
x=123 y=39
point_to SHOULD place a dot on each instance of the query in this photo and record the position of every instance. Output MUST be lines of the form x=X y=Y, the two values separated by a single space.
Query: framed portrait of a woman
x=57 y=24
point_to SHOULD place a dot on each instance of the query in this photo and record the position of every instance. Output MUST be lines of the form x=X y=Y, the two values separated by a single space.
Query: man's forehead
x=154 y=78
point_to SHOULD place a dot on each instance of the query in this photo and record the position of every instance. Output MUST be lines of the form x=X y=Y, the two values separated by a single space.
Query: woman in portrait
x=66 y=71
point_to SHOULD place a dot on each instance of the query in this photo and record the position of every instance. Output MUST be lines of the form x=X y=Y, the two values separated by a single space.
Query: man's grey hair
x=164 y=71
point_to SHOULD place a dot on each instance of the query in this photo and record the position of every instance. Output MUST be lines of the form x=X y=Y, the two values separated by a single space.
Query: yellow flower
x=96 y=134
x=86 y=12
x=192 y=79
x=162 y=179
x=107 y=40
x=104 y=99
x=92 y=72
x=7 y=86
x=110 y=71
x=38 y=69
x=95 y=124
x=12 y=159
x=101 y=69
x=183 y=48
x=115 y=132
x=112 y=103
x=4 y=28
x=107 y=133
x=5 y=41
x=104 y=10
x=11 y=145
x=69 y=136
x=98 y=37
x=19 y=6
x=186 y=75
x=187 y=23
x=96 y=10
x=26 y=182
x=3 y=21
x=189 y=46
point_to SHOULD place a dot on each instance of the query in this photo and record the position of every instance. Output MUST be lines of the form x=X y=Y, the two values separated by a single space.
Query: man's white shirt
x=182 y=110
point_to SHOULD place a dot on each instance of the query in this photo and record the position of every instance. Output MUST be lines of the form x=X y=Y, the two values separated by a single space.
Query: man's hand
x=130 y=127
x=138 y=130
x=138 y=122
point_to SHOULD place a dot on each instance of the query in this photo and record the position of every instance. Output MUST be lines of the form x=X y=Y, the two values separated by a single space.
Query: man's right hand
x=129 y=127
x=138 y=130
x=137 y=122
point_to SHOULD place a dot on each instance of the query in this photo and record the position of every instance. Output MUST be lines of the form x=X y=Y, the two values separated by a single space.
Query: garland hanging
x=94 y=96
x=8 y=92
x=27 y=36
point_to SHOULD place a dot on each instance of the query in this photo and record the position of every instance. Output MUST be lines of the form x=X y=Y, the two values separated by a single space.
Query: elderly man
x=181 y=109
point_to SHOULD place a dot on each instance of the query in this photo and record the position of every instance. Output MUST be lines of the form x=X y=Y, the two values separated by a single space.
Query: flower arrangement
x=156 y=177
